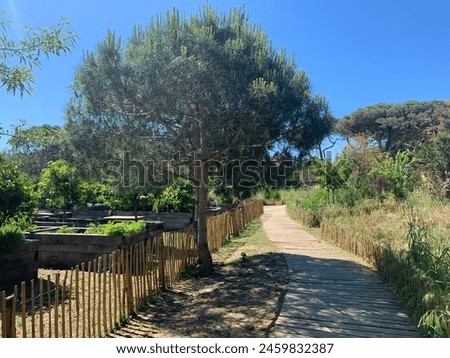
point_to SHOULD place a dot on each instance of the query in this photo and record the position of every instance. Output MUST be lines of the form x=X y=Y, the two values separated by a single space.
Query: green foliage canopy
x=34 y=147
x=395 y=127
x=58 y=185
x=16 y=195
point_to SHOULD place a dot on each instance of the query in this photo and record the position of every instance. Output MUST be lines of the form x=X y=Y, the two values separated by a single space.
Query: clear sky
x=356 y=52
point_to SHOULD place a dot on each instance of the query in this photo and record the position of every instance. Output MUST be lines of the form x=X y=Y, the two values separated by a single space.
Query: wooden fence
x=93 y=298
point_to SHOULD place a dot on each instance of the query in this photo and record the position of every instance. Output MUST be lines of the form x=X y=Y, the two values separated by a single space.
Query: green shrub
x=272 y=194
x=313 y=201
x=117 y=229
x=66 y=230
x=176 y=197
x=395 y=175
x=10 y=239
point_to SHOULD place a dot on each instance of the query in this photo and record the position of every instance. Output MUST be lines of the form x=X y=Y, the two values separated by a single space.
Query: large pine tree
x=205 y=87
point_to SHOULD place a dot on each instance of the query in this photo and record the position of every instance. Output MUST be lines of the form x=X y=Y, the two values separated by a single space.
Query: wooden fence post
x=9 y=317
x=129 y=281
x=162 y=262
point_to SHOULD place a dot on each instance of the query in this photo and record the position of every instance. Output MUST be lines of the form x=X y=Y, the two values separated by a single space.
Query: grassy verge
x=253 y=241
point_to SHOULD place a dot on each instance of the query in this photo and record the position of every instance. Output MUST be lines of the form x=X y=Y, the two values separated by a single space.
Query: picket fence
x=93 y=298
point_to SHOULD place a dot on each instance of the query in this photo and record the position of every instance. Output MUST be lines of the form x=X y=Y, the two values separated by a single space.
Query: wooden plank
x=68 y=249
x=63 y=305
x=49 y=307
x=313 y=303
x=354 y=330
x=89 y=299
x=23 y=299
x=348 y=301
x=3 y=311
x=12 y=325
x=382 y=326
x=70 y=304
x=41 y=307
x=104 y=299
x=314 y=309
x=77 y=301
x=99 y=288
x=56 y=314
x=94 y=298
x=114 y=288
x=32 y=309
x=83 y=300
x=296 y=331
x=111 y=293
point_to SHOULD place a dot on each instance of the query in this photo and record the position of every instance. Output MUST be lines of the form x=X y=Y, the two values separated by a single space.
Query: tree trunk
x=205 y=264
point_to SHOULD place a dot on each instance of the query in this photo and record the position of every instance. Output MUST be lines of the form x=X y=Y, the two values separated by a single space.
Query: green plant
x=66 y=230
x=332 y=176
x=59 y=185
x=93 y=193
x=16 y=194
x=429 y=257
x=10 y=239
x=188 y=272
x=117 y=229
x=272 y=194
x=177 y=197
x=396 y=175
x=313 y=201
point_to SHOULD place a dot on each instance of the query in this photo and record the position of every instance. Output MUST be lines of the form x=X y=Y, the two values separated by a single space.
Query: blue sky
x=356 y=52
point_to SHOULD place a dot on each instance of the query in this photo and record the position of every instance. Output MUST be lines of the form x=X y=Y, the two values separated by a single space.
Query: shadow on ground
x=242 y=299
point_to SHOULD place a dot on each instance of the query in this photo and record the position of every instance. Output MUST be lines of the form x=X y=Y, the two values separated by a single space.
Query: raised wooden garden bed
x=22 y=265
x=63 y=251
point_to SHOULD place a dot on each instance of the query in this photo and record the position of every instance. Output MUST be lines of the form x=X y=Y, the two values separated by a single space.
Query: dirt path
x=241 y=299
x=331 y=293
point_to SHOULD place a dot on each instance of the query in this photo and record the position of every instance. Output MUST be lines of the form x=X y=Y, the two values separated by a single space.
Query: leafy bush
x=93 y=193
x=117 y=229
x=16 y=194
x=395 y=175
x=59 y=185
x=10 y=239
x=177 y=197
x=272 y=194
x=313 y=201
x=66 y=230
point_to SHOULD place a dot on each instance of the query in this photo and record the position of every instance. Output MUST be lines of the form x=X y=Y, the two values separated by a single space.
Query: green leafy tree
x=59 y=186
x=16 y=195
x=34 y=147
x=177 y=197
x=18 y=58
x=434 y=161
x=396 y=175
x=203 y=88
x=397 y=127
x=332 y=176
x=92 y=192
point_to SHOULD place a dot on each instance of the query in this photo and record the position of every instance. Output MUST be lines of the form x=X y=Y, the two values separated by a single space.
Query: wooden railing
x=93 y=298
